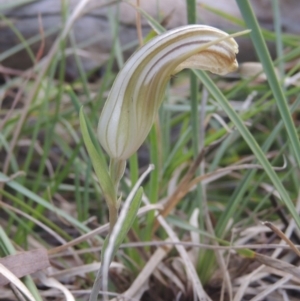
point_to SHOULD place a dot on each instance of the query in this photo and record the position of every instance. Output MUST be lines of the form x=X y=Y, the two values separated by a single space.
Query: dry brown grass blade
x=25 y=263
x=278 y=264
x=282 y=236
x=34 y=220
x=271 y=288
x=41 y=49
x=81 y=270
x=16 y=72
x=181 y=190
x=51 y=282
x=218 y=173
x=272 y=268
x=144 y=275
x=139 y=24
x=43 y=226
x=291 y=229
x=187 y=183
x=219 y=255
x=17 y=286
x=190 y=269
x=17 y=174
x=97 y=231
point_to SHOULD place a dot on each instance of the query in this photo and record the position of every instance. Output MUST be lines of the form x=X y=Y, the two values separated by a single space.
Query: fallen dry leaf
x=25 y=263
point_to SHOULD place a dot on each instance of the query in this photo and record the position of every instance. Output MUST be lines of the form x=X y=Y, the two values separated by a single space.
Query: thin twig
x=139 y=24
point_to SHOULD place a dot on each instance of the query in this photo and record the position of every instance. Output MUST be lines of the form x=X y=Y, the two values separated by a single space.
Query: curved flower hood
x=138 y=90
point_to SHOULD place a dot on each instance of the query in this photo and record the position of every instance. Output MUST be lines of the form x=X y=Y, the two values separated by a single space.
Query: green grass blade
x=99 y=164
x=195 y=122
x=253 y=145
x=39 y=200
x=154 y=183
x=13 y=4
x=191 y=11
x=18 y=34
x=265 y=59
x=279 y=42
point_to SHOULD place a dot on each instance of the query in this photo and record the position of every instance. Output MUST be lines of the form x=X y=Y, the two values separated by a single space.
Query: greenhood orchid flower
x=138 y=90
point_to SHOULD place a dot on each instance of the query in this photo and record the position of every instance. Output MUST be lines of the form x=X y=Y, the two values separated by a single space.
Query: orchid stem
x=116 y=171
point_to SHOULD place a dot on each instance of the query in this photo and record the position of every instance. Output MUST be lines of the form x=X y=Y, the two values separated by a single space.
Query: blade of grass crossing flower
x=265 y=59
x=257 y=151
